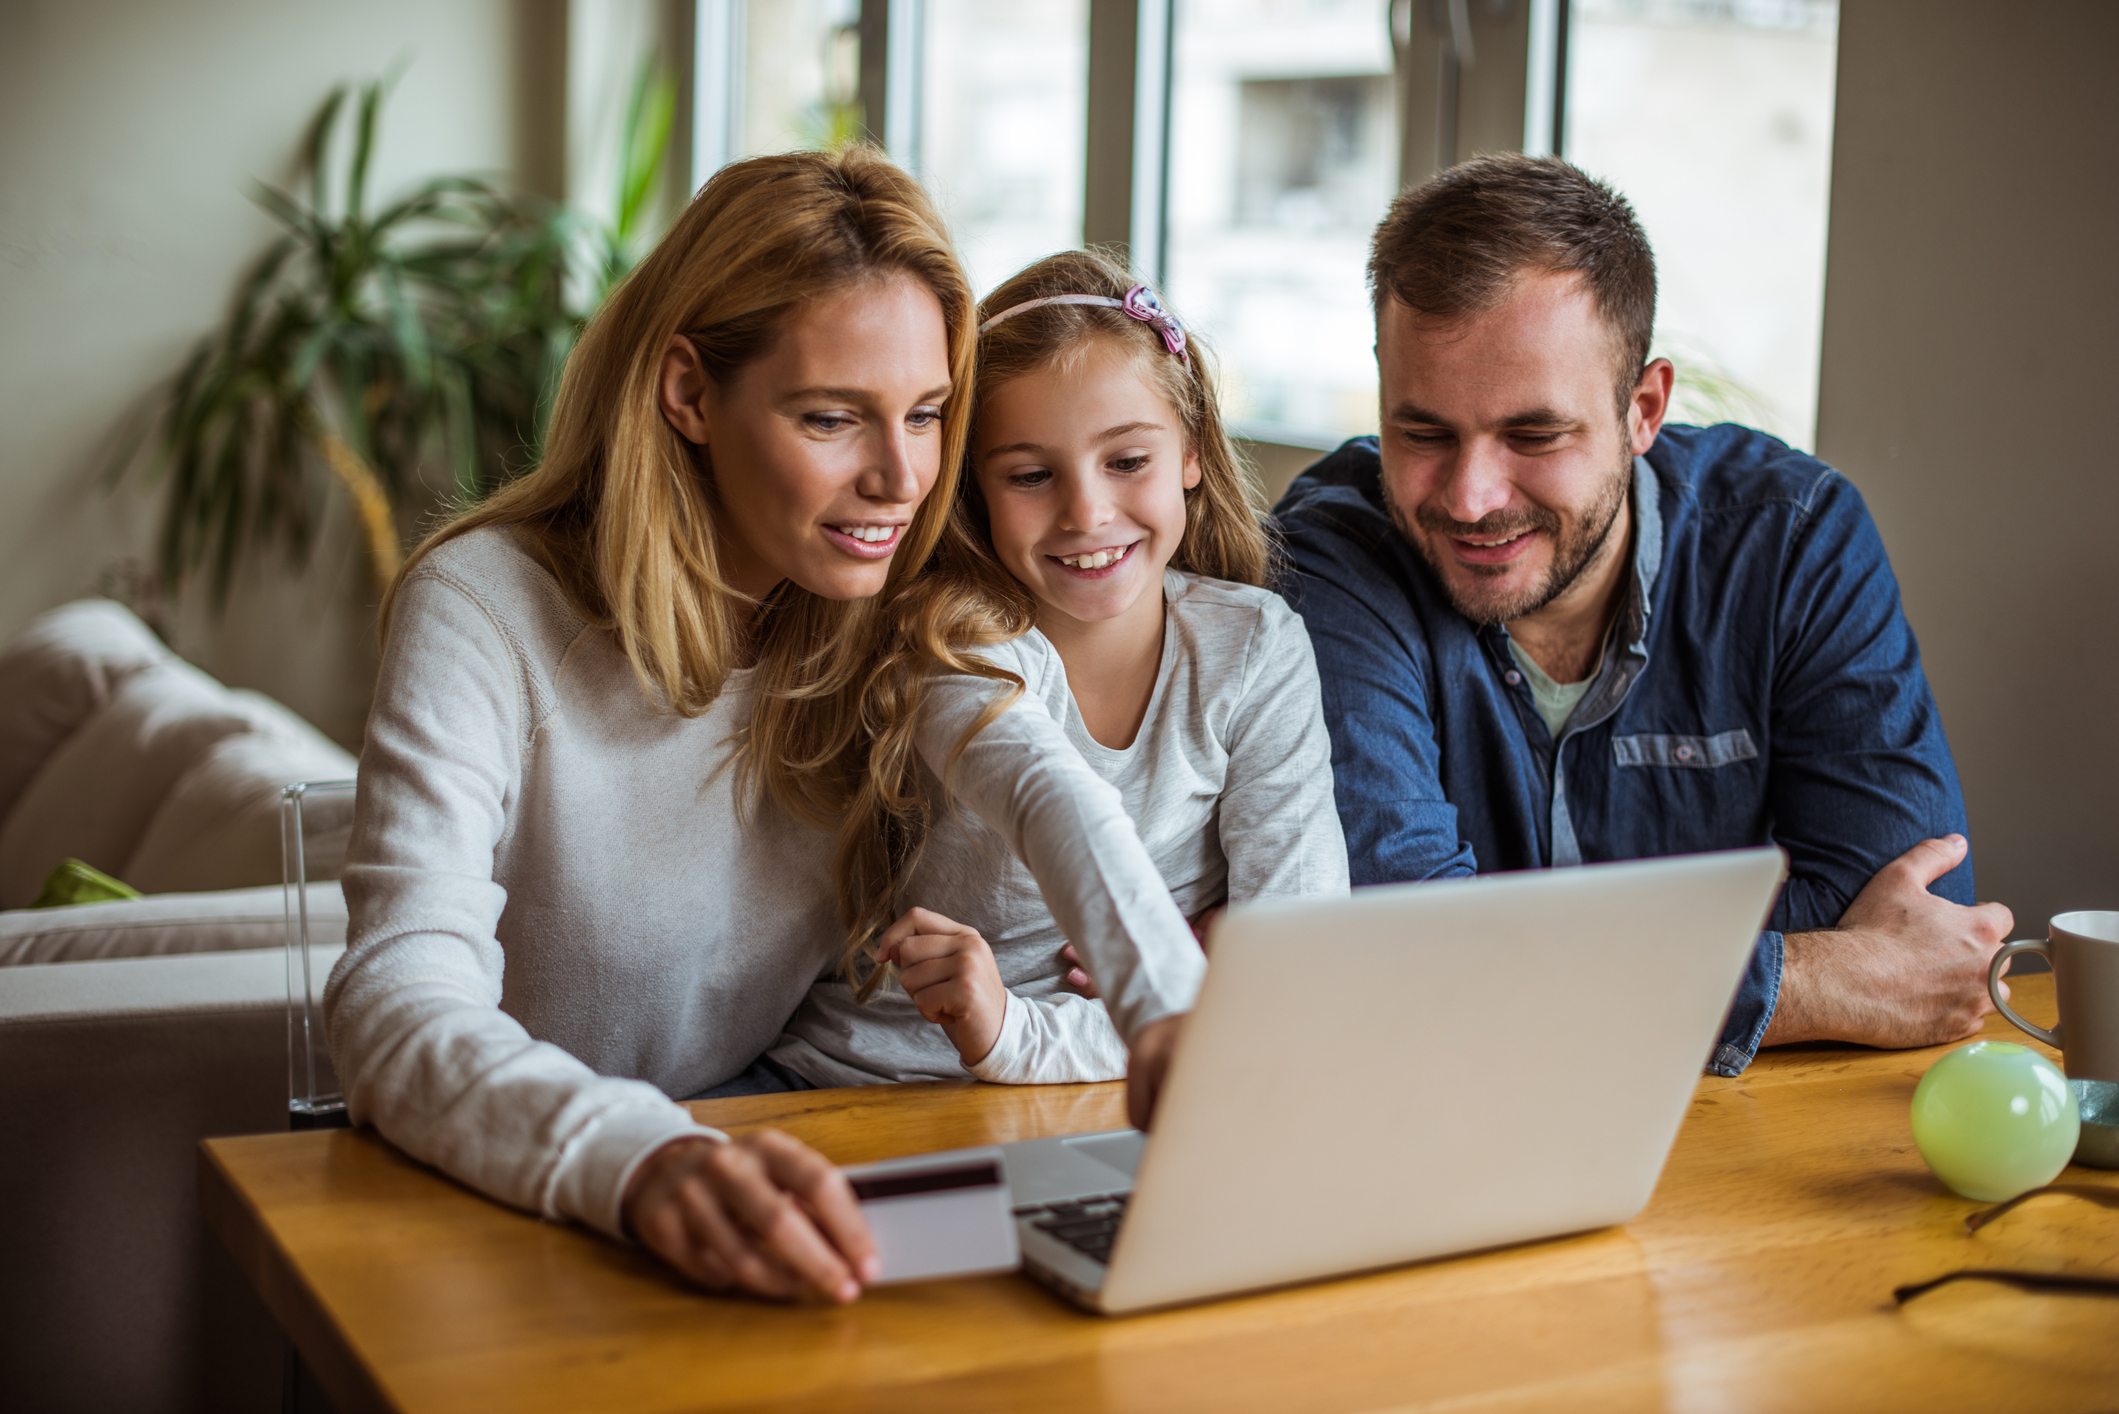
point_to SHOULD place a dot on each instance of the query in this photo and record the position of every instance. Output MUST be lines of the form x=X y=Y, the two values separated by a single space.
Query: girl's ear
x=681 y=387
x=1192 y=472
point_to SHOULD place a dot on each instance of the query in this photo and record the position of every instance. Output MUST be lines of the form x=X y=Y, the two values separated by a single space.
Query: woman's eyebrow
x=843 y=395
x=939 y=393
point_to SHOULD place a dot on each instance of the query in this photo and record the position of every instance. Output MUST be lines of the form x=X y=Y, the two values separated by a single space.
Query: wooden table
x=1759 y=1278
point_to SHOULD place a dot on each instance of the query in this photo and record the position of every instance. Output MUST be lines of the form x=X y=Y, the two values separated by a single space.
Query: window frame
x=1470 y=75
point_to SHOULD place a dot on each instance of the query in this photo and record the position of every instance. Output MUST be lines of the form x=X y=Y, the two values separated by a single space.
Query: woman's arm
x=428 y=1057
x=1023 y=777
x=413 y=1013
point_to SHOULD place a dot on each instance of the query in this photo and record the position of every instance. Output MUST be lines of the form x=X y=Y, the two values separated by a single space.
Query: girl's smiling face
x=1084 y=470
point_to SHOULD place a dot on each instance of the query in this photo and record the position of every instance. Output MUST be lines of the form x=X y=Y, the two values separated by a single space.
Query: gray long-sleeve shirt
x=1229 y=785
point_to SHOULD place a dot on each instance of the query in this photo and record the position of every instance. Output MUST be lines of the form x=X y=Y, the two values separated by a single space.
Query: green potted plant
x=366 y=342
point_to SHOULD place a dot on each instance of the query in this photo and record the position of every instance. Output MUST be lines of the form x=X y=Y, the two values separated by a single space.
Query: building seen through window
x=1715 y=118
x=1281 y=153
x=1283 y=156
x=800 y=77
x=1003 y=124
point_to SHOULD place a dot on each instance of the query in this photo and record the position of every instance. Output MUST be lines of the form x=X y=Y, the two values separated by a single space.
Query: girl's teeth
x=1096 y=559
x=868 y=533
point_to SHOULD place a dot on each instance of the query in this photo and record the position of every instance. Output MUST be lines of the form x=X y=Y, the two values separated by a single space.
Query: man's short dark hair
x=1456 y=244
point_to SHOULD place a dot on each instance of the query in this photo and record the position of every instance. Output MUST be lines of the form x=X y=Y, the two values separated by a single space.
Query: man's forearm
x=1796 y=1010
x=1861 y=984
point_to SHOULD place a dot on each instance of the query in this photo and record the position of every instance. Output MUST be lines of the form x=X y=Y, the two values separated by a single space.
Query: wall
x=1968 y=372
x=129 y=133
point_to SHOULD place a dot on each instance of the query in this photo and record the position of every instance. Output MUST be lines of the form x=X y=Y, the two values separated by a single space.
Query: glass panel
x=802 y=75
x=1715 y=118
x=1283 y=155
x=316 y=824
x=1003 y=120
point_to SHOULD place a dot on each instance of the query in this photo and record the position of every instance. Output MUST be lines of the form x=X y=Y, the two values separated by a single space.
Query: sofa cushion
x=94 y=798
x=230 y=921
x=219 y=827
x=62 y=670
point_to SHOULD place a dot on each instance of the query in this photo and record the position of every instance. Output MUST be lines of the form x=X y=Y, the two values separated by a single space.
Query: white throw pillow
x=167 y=923
x=219 y=827
x=59 y=672
x=95 y=796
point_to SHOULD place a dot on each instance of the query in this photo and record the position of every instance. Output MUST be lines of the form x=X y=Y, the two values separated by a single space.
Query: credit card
x=938 y=1215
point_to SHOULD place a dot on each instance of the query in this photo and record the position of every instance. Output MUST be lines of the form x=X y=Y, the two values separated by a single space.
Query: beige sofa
x=130 y=1030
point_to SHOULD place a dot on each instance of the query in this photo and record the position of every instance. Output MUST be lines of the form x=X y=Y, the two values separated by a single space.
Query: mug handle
x=2036 y=945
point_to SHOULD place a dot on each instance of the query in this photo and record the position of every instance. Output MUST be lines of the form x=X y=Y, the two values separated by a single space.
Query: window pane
x=1003 y=119
x=802 y=61
x=1283 y=155
x=1715 y=118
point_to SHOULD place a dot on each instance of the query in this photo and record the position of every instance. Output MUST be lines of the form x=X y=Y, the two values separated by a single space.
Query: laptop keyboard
x=1089 y=1226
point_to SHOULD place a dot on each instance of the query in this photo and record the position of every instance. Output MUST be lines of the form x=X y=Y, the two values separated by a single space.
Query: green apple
x=1995 y=1119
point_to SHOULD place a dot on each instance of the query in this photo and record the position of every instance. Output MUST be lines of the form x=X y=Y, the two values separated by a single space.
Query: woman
x=617 y=702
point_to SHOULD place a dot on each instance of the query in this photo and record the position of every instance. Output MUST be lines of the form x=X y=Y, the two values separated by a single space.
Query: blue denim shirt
x=1760 y=684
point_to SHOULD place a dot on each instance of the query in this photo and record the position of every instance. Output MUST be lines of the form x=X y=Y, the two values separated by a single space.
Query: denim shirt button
x=1512 y=677
x=1684 y=753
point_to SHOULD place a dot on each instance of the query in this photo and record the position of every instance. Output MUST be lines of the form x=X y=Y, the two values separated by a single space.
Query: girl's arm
x=948 y=971
x=1023 y=777
x=413 y=1013
x=1279 y=826
x=1060 y=1039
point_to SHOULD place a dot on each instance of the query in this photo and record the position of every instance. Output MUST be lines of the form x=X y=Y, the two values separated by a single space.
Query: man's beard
x=1576 y=545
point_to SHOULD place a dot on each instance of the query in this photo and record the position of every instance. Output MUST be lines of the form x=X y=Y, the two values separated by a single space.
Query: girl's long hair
x=965 y=599
x=622 y=508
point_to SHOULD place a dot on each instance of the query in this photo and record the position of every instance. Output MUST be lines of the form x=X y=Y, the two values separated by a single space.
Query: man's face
x=1505 y=461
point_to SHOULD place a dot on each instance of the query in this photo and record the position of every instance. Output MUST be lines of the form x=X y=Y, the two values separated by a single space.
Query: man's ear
x=1650 y=404
x=682 y=385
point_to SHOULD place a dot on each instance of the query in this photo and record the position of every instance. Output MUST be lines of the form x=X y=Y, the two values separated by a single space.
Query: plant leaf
x=411 y=332
x=316 y=145
x=363 y=150
x=311 y=353
x=286 y=210
x=649 y=111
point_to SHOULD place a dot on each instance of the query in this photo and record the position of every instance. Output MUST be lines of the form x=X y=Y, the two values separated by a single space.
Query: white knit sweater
x=561 y=914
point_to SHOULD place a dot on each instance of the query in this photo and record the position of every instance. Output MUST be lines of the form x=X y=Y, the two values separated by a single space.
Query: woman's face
x=820 y=451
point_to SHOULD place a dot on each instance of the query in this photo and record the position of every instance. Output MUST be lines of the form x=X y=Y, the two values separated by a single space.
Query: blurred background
x=1882 y=233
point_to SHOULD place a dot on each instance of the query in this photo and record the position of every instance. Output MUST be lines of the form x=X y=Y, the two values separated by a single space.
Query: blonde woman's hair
x=622 y=508
x=965 y=599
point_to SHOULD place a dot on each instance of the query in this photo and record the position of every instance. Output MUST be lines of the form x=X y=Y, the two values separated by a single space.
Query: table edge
x=294 y=1304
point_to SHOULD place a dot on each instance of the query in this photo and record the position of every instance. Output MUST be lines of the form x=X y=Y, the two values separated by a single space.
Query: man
x=1553 y=631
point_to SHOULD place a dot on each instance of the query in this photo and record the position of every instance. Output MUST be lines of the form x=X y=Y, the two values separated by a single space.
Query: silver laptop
x=1412 y=1071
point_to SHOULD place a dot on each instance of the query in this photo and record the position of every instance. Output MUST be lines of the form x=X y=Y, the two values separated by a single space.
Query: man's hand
x=1903 y=968
x=951 y=976
x=1147 y=1062
x=764 y=1212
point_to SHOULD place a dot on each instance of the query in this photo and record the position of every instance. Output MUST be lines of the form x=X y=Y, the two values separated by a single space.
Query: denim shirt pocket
x=1690 y=752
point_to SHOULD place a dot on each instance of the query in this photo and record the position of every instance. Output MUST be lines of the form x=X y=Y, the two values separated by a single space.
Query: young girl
x=1104 y=512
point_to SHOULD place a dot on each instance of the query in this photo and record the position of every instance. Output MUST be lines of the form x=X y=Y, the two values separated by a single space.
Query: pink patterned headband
x=1140 y=303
